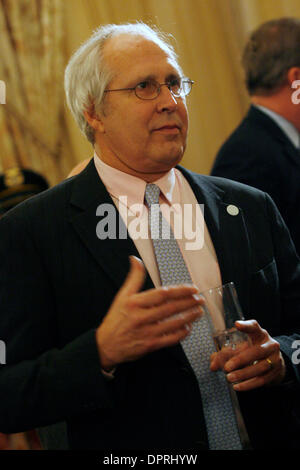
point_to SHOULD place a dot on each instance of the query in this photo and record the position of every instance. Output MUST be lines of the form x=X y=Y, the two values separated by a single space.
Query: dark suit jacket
x=57 y=281
x=259 y=153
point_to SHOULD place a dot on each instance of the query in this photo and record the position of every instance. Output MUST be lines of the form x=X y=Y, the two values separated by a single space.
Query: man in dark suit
x=264 y=150
x=100 y=349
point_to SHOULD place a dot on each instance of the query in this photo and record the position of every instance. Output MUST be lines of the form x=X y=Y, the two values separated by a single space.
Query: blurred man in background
x=264 y=150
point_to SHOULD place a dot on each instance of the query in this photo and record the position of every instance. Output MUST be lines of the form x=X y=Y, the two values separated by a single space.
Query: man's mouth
x=168 y=129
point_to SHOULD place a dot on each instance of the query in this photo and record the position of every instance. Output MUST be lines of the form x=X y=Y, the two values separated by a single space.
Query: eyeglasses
x=150 y=89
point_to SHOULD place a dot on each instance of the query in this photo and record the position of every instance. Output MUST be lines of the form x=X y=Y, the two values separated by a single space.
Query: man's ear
x=293 y=74
x=94 y=120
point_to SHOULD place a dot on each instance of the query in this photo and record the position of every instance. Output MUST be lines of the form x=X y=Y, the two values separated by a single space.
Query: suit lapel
x=226 y=225
x=89 y=199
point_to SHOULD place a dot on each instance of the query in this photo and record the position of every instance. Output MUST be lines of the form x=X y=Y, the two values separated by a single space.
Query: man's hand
x=141 y=322
x=255 y=366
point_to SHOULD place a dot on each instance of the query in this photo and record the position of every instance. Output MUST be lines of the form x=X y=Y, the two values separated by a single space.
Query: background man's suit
x=57 y=281
x=260 y=154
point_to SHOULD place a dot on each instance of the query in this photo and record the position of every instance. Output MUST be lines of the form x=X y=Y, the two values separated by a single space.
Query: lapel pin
x=232 y=210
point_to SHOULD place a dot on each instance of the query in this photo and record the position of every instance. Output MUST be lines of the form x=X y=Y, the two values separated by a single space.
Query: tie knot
x=152 y=194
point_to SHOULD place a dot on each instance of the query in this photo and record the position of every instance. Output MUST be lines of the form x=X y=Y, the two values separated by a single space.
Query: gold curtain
x=31 y=65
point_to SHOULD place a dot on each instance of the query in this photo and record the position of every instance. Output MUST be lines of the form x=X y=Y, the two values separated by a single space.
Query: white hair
x=87 y=75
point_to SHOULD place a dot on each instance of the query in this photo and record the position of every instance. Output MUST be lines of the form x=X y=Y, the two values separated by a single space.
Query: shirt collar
x=132 y=188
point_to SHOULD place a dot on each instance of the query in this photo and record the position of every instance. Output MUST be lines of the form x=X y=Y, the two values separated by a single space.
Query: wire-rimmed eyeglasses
x=150 y=89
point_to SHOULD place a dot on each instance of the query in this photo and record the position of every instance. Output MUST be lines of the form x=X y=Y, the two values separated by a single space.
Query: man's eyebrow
x=143 y=78
x=172 y=75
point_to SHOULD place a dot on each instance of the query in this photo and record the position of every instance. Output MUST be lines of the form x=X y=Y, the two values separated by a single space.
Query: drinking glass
x=223 y=310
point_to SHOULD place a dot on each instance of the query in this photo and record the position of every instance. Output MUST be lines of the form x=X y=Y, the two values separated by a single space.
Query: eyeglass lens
x=151 y=89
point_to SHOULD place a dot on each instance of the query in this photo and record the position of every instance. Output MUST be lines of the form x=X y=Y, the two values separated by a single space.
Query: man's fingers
x=218 y=359
x=135 y=278
x=255 y=369
x=176 y=322
x=157 y=296
x=264 y=372
x=166 y=312
x=248 y=326
x=168 y=339
x=251 y=354
x=252 y=328
x=251 y=384
x=163 y=312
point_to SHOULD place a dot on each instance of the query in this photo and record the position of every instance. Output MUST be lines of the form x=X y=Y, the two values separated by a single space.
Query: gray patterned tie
x=219 y=415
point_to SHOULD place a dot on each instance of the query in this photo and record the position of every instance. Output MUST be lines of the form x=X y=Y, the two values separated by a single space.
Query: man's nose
x=166 y=101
